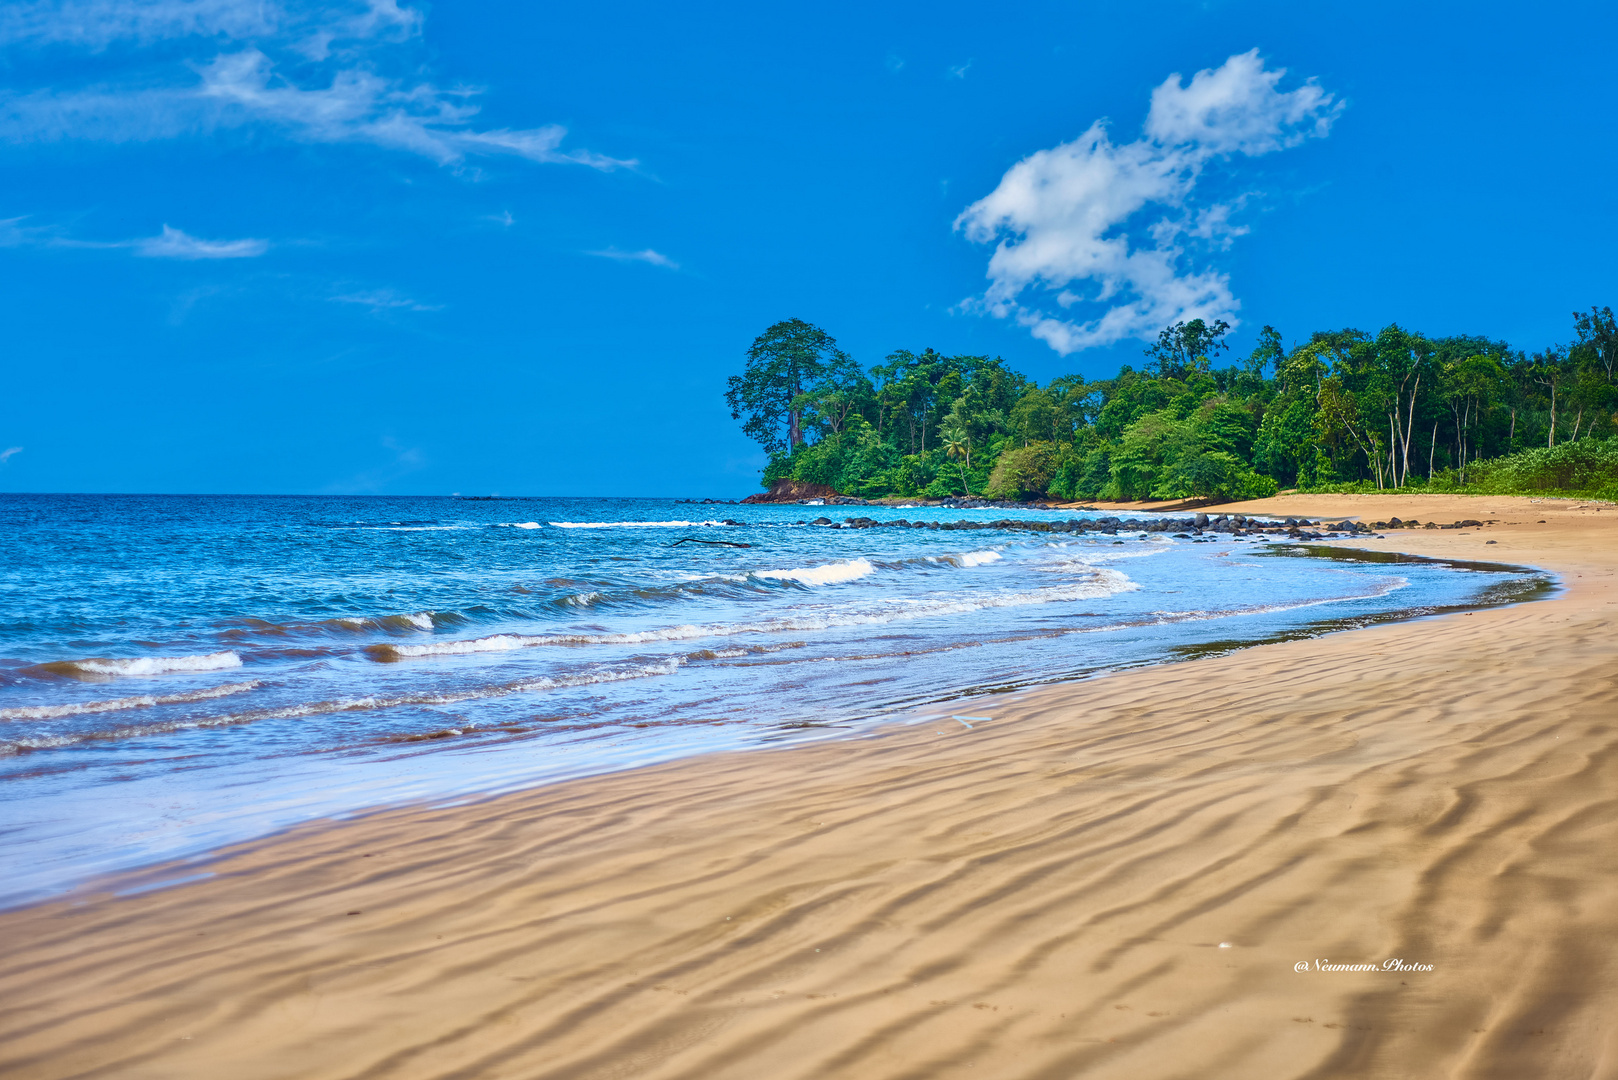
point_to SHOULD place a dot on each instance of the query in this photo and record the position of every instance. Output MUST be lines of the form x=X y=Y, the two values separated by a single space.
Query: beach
x=1387 y=852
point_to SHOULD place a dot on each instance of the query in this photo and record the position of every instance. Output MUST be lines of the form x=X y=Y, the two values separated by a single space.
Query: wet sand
x=1113 y=878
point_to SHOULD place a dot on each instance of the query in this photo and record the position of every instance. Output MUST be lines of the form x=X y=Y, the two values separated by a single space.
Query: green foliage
x=1344 y=410
x=1024 y=472
x=791 y=367
x=1586 y=467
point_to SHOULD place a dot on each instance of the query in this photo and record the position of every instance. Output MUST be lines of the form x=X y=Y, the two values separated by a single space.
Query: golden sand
x=1113 y=878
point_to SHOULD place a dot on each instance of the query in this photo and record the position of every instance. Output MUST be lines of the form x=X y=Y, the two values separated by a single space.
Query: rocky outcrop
x=792 y=491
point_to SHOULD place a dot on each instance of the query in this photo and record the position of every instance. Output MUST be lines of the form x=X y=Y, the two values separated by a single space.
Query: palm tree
x=959 y=448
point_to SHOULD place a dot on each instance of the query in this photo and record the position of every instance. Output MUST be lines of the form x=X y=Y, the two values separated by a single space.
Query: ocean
x=183 y=672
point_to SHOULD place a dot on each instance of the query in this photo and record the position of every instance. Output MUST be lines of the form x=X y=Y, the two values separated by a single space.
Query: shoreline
x=1528 y=583
x=1039 y=895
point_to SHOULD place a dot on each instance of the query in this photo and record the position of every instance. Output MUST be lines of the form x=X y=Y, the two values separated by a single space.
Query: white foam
x=154 y=665
x=1099 y=583
x=632 y=524
x=139 y=701
x=830 y=574
x=518 y=525
x=319 y=708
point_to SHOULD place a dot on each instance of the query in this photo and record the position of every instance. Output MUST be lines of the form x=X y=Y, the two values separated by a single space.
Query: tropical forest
x=1343 y=410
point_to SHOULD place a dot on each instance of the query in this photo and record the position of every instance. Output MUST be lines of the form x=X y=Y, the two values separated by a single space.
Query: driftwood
x=711 y=543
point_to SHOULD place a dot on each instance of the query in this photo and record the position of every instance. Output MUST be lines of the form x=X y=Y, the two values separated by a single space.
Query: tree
x=1187 y=346
x=1598 y=331
x=959 y=448
x=1550 y=371
x=784 y=362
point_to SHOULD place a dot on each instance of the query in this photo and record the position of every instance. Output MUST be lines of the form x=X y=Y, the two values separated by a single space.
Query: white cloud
x=1060 y=218
x=96 y=24
x=958 y=71
x=317 y=72
x=171 y=243
x=646 y=255
x=1236 y=108
x=7 y=454
x=379 y=300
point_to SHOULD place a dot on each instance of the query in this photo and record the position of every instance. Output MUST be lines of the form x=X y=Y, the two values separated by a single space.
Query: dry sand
x=1045 y=895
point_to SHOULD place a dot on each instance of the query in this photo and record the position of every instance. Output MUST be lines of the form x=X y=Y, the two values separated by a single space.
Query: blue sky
x=367 y=247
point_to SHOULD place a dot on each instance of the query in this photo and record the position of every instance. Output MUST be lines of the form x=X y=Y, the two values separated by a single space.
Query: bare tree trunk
x=1431 y=452
x=1551 y=441
x=1513 y=433
x=1466 y=418
x=1577 y=422
x=1410 y=426
x=1393 y=439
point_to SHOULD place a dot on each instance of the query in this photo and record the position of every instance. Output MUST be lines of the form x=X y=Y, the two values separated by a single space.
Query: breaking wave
x=968 y=559
x=830 y=574
x=105 y=668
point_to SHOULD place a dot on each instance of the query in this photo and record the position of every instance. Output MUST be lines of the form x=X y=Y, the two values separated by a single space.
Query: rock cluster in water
x=1182 y=527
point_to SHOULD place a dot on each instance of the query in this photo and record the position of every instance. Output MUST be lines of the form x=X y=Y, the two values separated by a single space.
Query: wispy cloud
x=321 y=72
x=7 y=454
x=171 y=243
x=958 y=71
x=174 y=244
x=645 y=255
x=379 y=300
x=1062 y=219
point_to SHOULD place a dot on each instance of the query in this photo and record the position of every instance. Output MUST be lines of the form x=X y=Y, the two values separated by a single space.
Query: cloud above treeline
x=1097 y=242
x=345 y=71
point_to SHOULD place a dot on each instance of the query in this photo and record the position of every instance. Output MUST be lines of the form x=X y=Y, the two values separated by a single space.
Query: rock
x=1200 y=520
x=792 y=491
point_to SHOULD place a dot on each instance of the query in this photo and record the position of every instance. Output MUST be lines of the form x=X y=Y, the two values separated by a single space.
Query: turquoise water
x=181 y=672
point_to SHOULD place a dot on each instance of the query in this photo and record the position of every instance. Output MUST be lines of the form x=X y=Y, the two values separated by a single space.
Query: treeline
x=1344 y=410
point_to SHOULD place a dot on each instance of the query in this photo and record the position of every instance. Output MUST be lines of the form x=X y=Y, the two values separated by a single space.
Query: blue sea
x=182 y=672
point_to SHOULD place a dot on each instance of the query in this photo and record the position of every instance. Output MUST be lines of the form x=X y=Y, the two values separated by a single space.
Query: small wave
x=967 y=559
x=632 y=524
x=418 y=620
x=320 y=708
x=104 y=668
x=830 y=574
x=518 y=525
x=1099 y=583
x=139 y=701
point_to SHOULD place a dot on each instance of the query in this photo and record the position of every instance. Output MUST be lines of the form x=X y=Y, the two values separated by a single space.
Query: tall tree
x=1187 y=346
x=1598 y=331
x=784 y=362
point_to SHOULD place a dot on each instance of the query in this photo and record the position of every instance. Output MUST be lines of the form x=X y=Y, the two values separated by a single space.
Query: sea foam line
x=631 y=524
x=321 y=708
x=139 y=701
x=1101 y=583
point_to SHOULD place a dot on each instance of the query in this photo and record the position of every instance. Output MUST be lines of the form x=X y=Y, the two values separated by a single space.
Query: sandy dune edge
x=1042 y=896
